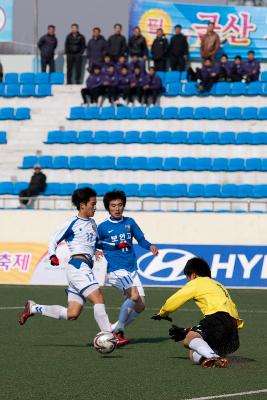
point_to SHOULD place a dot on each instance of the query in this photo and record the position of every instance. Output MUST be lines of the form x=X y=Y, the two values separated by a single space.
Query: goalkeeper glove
x=54 y=260
x=158 y=317
x=122 y=245
x=177 y=334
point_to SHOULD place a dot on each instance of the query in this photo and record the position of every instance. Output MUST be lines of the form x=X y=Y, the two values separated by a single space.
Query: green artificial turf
x=49 y=359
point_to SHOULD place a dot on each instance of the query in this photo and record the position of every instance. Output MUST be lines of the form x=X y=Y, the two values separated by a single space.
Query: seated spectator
x=137 y=83
x=159 y=51
x=107 y=62
x=224 y=69
x=96 y=48
x=208 y=75
x=251 y=68
x=137 y=62
x=93 y=87
x=110 y=84
x=137 y=44
x=237 y=70
x=153 y=86
x=124 y=86
x=36 y=186
x=122 y=62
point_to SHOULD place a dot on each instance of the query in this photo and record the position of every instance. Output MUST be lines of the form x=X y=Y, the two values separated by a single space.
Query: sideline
x=223 y=396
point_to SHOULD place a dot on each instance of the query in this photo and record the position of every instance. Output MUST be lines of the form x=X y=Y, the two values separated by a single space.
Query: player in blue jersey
x=80 y=234
x=115 y=237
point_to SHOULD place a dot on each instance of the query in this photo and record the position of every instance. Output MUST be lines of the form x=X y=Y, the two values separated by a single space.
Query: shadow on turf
x=240 y=360
x=149 y=340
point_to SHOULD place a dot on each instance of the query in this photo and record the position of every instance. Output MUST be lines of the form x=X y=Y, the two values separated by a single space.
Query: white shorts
x=123 y=280
x=81 y=279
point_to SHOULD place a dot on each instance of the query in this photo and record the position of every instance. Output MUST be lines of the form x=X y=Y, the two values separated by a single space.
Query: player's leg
x=140 y=304
x=100 y=314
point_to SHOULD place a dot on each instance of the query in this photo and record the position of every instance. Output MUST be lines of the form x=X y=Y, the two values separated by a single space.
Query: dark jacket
x=75 y=44
x=139 y=63
x=124 y=80
x=153 y=81
x=227 y=67
x=38 y=182
x=207 y=71
x=47 y=45
x=178 y=46
x=238 y=70
x=96 y=48
x=94 y=81
x=116 y=46
x=137 y=46
x=138 y=80
x=104 y=68
x=159 y=48
x=252 y=68
x=111 y=79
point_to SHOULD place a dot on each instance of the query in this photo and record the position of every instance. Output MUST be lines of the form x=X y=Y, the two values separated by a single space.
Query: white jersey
x=79 y=234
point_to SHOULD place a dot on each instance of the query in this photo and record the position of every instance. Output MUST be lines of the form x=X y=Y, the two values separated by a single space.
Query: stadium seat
x=107 y=162
x=254 y=89
x=163 y=137
x=250 y=113
x=11 y=78
x=116 y=137
x=77 y=162
x=91 y=112
x=12 y=90
x=22 y=113
x=148 y=137
x=211 y=138
x=56 y=78
x=162 y=76
x=46 y=161
x=203 y=164
x=77 y=113
x=29 y=161
x=220 y=164
x=212 y=190
x=27 y=90
x=236 y=164
x=2 y=89
x=170 y=113
x=262 y=115
x=154 y=112
x=202 y=113
x=154 y=163
x=27 y=78
x=229 y=190
x=196 y=190
x=179 y=190
x=68 y=137
x=83 y=185
x=41 y=78
x=187 y=164
x=264 y=76
x=222 y=89
x=101 y=188
x=195 y=137
x=7 y=113
x=217 y=113
x=171 y=164
x=172 y=77
x=124 y=163
x=19 y=186
x=227 y=138
x=245 y=191
x=179 y=137
x=60 y=162
x=52 y=189
x=190 y=89
x=264 y=89
x=264 y=164
x=174 y=89
x=43 y=90
x=138 y=112
x=53 y=137
x=260 y=191
x=238 y=89
x=6 y=188
x=244 y=138
x=3 y=139
x=92 y=162
x=107 y=112
x=186 y=113
x=85 y=137
x=259 y=138
x=116 y=186
x=164 y=190
x=101 y=137
x=233 y=113
x=253 y=164
x=123 y=113
x=139 y=163
x=132 y=137
x=67 y=188
x=131 y=189
x=147 y=190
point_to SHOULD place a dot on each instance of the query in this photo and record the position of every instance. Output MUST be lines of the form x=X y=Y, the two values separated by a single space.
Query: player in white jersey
x=80 y=235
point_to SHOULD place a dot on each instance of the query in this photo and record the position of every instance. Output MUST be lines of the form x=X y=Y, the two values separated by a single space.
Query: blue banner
x=6 y=20
x=233 y=266
x=240 y=28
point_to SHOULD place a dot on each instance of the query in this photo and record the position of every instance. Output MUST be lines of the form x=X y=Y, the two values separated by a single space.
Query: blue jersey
x=113 y=232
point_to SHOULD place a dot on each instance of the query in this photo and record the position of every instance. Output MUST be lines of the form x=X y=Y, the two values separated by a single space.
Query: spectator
x=137 y=83
x=137 y=44
x=137 y=62
x=208 y=76
x=47 y=45
x=107 y=62
x=121 y=63
x=159 y=51
x=210 y=43
x=124 y=86
x=74 y=48
x=117 y=45
x=251 y=68
x=1 y=72
x=178 y=50
x=96 y=48
x=237 y=70
x=110 y=84
x=93 y=87
x=36 y=186
x=153 y=86
x=224 y=68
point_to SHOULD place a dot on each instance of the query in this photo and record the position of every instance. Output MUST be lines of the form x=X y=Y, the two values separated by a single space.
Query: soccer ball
x=105 y=342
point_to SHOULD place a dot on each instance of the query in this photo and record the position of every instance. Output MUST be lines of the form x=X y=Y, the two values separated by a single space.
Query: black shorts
x=220 y=331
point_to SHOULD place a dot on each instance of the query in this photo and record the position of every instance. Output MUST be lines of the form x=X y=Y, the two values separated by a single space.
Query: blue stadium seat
x=172 y=77
x=262 y=115
x=43 y=90
x=101 y=188
x=77 y=113
x=254 y=89
x=154 y=112
x=19 y=186
x=132 y=137
x=139 y=163
x=67 y=188
x=220 y=164
x=12 y=90
x=27 y=78
x=245 y=191
x=83 y=185
x=92 y=112
x=186 y=113
x=56 y=78
x=46 y=161
x=195 y=137
x=2 y=89
x=238 y=89
x=148 y=137
x=29 y=161
x=171 y=164
x=131 y=189
x=264 y=76
x=229 y=190
x=211 y=138
x=23 y=113
x=244 y=138
x=253 y=164
x=236 y=164
x=203 y=164
x=116 y=137
x=11 y=77
x=264 y=89
x=41 y=78
x=179 y=190
x=222 y=89
x=124 y=163
x=107 y=162
x=154 y=163
x=163 y=137
x=147 y=190
x=138 y=112
x=123 y=113
x=187 y=164
x=116 y=186
x=92 y=162
x=164 y=190
x=259 y=138
x=7 y=113
x=233 y=113
x=264 y=164
x=53 y=137
x=212 y=190
x=162 y=76
x=77 y=162
x=250 y=113
x=27 y=90
x=101 y=137
x=6 y=188
x=196 y=190
x=61 y=162
x=107 y=113
x=3 y=139
x=179 y=137
x=190 y=89
x=85 y=137
x=52 y=189
x=202 y=113
x=68 y=137
x=217 y=113
x=260 y=191
x=227 y=138
x=170 y=113
x=174 y=89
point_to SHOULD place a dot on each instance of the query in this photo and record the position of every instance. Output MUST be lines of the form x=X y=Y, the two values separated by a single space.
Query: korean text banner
x=240 y=28
x=6 y=20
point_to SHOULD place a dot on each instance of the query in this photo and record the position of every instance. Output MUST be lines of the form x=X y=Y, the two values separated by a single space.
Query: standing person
x=217 y=334
x=115 y=237
x=159 y=51
x=117 y=45
x=96 y=48
x=210 y=43
x=47 y=45
x=79 y=233
x=178 y=50
x=74 y=49
x=251 y=68
x=36 y=186
x=153 y=86
x=137 y=44
x=94 y=87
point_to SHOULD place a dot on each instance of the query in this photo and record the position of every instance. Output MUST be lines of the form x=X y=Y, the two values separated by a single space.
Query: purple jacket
x=153 y=81
x=207 y=71
x=139 y=63
x=111 y=80
x=238 y=69
x=104 y=68
x=96 y=48
x=119 y=66
x=94 y=81
x=124 y=81
x=252 y=68
x=227 y=67
x=138 y=80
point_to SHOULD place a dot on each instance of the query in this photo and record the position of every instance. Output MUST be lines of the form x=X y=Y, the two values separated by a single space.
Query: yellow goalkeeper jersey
x=209 y=295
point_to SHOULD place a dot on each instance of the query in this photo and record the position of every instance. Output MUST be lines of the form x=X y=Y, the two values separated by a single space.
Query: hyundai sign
x=233 y=266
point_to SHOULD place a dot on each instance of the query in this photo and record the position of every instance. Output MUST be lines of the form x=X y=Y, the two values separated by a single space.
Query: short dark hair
x=51 y=26
x=238 y=58
x=251 y=52
x=82 y=195
x=96 y=28
x=211 y=23
x=198 y=266
x=178 y=26
x=154 y=69
x=114 y=195
x=224 y=55
x=160 y=29
x=120 y=25
x=208 y=59
x=77 y=26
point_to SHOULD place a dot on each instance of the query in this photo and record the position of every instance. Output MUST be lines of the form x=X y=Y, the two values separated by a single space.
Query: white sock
x=57 y=312
x=196 y=357
x=126 y=308
x=101 y=318
x=202 y=348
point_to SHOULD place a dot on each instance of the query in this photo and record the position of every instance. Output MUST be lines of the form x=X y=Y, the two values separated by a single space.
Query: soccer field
x=49 y=359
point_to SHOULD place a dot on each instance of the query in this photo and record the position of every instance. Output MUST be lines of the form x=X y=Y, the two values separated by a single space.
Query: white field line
x=223 y=396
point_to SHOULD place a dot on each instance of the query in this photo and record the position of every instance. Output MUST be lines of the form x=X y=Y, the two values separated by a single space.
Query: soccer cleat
x=26 y=313
x=122 y=341
x=215 y=362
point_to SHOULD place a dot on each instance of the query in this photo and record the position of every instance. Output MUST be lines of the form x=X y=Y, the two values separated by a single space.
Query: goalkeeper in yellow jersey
x=217 y=333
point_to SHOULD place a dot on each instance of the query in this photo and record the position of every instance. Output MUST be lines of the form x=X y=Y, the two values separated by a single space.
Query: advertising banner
x=240 y=28
x=6 y=20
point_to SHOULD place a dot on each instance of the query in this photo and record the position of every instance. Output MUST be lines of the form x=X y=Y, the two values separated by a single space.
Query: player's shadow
x=150 y=340
x=240 y=360
x=59 y=345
